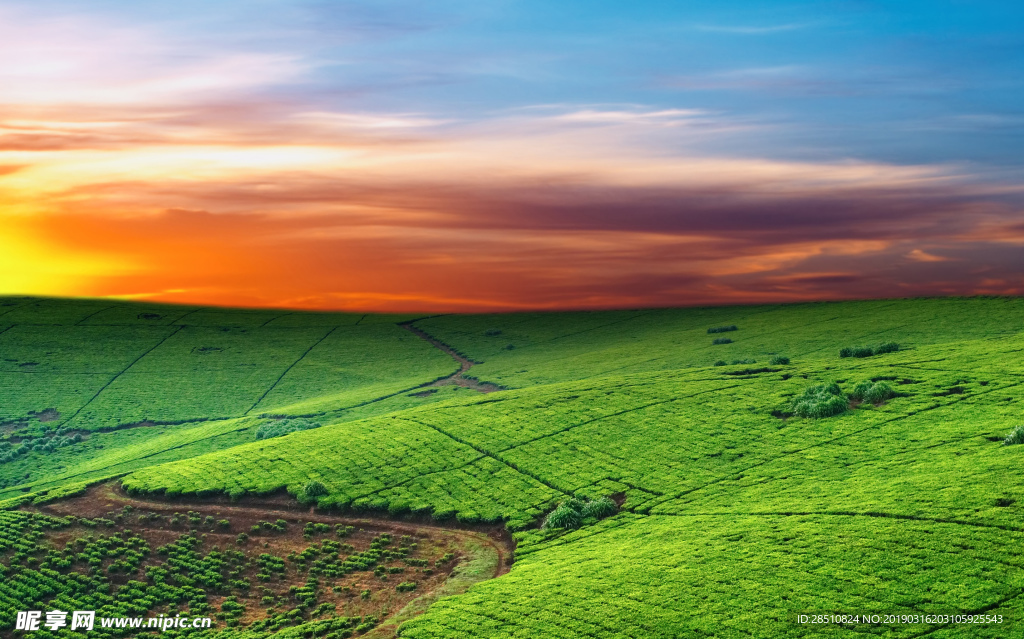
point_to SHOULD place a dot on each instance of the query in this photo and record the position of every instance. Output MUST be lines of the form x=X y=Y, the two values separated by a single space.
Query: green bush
x=880 y=392
x=1016 y=436
x=723 y=329
x=314 y=489
x=778 y=360
x=720 y=362
x=821 y=400
x=563 y=517
x=873 y=392
x=860 y=389
x=599 y=508
x=721 y=340
x=279 y=427
x=856 y=351
x=572 y=512
x=867 y=351
x=888 y=347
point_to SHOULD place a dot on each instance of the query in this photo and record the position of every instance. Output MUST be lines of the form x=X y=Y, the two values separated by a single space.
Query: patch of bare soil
x=48 y=415
x=459 y=378
x=412 y=559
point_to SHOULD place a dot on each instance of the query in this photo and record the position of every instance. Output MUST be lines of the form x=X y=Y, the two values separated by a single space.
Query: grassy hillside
x=143 y=382
x=735 y=512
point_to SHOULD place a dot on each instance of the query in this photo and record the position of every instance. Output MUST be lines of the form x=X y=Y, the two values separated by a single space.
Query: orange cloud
x=322 y=243
x=181 y=195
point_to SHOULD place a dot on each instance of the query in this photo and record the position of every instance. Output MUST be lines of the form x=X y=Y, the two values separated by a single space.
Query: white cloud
x=81 y=60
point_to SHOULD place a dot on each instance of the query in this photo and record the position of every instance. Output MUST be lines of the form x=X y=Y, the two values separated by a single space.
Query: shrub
x=778 y=360
x=1016 y=436
x=860 y=389
x=492 y=332
x=867 y=351
x=879 y=392
x=720 y=362
x=723 y=329
x=874 y=393
x=599 y=508
x=856 y=351
x=821 y=400
x=721 y=340
x=573 y=511
x=406 y=586
x=563 y=517
x=279 y=427
x=314 y=489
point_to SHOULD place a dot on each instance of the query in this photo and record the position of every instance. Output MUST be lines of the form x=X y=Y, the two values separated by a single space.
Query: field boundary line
x=600 y=326
x=274 y=318
x=175 y=321
x=617 y=414
x=562 y=541
x=489 y=454
x=146 y=456
x=105 y=308
x=125 y=370
x=876 y=514
x=290 y=366
x=17 y=306
x=427 y=474
x=2 y=331
x=739 y=471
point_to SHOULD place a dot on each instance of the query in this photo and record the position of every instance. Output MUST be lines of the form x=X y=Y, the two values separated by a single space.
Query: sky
x=458 y=156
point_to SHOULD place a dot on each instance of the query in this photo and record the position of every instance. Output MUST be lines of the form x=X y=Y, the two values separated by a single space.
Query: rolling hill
x=735 y=513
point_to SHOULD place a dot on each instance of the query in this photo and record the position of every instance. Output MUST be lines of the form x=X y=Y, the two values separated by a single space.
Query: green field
x=735 y=515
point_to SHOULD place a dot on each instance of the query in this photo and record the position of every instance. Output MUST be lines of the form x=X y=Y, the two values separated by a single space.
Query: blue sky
x=905 y=82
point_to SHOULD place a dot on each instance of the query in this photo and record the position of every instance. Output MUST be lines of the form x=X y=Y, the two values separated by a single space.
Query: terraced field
x=734 y=514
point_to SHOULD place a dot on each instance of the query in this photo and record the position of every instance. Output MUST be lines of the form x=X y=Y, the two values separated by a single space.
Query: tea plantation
x=831 y=458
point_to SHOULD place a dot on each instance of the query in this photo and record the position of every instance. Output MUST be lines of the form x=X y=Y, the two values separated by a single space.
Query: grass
x=904 y=499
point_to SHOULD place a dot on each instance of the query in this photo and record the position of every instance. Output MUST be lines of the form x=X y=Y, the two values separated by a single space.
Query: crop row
x=742 y=576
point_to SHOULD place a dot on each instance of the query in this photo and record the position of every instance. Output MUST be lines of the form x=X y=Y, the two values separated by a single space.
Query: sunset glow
x=382 y=156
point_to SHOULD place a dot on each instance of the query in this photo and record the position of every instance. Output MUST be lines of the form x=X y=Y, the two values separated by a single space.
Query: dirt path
x=458 y=378
x=103 y=498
